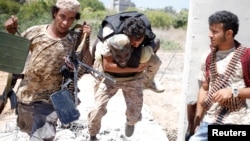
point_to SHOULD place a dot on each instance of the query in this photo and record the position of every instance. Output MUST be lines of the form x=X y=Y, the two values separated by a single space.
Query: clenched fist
x=11 y=25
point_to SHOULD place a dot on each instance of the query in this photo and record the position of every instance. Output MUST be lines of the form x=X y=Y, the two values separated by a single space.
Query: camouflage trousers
x=153 y=66
x=133 y=95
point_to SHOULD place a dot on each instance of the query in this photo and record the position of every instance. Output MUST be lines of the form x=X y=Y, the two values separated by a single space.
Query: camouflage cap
x=119 y=42
x=72 y=5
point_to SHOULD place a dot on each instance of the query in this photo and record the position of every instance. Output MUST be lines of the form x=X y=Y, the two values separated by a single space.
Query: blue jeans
x=202 y=133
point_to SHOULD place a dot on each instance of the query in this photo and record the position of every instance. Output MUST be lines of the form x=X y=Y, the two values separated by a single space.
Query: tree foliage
x=9 y=7
x=169 y=9
x=38 y=12
x=159 y=19
x=180 y=19
x=95 y=5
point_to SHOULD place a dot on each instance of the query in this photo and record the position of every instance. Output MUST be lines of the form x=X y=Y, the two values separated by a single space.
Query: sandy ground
x=166 y=107
x=161 y=110
x=113 y=122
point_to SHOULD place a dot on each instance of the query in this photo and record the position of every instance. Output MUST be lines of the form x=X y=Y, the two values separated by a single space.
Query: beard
x=214 y=46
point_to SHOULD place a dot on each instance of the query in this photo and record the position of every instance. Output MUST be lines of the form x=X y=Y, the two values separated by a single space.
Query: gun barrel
x=95 y=71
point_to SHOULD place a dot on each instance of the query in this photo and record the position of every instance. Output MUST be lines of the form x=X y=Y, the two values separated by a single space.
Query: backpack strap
x=116 y=21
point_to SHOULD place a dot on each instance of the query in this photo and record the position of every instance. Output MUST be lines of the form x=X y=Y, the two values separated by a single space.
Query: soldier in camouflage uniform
x=130 y=83
x=42 y=77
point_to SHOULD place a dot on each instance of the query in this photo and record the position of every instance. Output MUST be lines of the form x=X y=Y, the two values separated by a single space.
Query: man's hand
x=86 y=29
x=222 y=95
x=11 y=25
x=142 y=67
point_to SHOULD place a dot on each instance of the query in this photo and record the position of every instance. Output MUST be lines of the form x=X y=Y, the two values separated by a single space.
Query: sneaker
x=152 y=85
x=93 y=138
x=129 y=130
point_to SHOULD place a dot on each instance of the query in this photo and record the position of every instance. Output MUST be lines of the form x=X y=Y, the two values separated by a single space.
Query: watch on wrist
x=235 y=91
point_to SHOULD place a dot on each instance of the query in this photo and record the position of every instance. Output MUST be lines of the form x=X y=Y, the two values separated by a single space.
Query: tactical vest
x=116 y=21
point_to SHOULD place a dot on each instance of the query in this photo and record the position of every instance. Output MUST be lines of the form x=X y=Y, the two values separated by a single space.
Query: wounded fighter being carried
x=131 y=83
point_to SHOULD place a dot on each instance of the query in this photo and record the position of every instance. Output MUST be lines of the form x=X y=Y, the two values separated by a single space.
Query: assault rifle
x=79 y=57
x=62 y=100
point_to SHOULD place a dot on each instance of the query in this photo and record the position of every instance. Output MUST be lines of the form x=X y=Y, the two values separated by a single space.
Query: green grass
x=170 y=45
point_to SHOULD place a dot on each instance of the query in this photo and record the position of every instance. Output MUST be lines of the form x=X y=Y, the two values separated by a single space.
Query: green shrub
x=170 y=45
x=3 y=18
x=34 y=10
x=34 y=13
x=95 y=5
x=180 y=19
x=38 y=12
x=9 y=7
x=159 y=19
